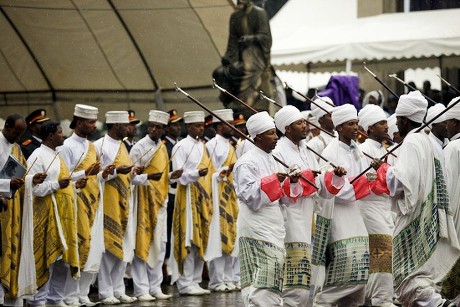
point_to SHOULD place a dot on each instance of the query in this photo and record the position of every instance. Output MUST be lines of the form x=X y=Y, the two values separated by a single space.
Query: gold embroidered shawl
x=87 y=205
x=201 y=205
x=10 y=221
x=47 y=243
x=151 y=198
x=116 y=206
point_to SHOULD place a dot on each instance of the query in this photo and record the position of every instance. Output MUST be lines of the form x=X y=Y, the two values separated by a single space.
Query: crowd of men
x=274 y=211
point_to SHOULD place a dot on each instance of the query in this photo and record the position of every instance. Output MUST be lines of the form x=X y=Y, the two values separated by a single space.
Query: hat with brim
x=174 y=117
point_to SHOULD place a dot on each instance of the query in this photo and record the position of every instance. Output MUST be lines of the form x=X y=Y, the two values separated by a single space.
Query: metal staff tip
x=444 y=80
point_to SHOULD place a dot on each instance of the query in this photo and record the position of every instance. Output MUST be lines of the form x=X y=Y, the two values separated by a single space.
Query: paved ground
x=214 y=299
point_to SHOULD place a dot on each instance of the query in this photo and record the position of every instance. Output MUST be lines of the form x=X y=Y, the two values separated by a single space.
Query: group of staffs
x=374 y=160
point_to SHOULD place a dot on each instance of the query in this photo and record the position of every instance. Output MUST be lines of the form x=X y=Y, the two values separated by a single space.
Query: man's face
x=379 y=131
x=121 y=130
x=348 y=131
x=267 y=140
x=57 y=138
x=227 y=132
x=86 y=126
x=440 y=129
x=403 y=125
x=195 y=130
x=155 y=130
x=453 y=127
x=243 y=4
x=297 y=131
x=326 y=122
x=131 y=131
x=173 y=130
x=13 y=134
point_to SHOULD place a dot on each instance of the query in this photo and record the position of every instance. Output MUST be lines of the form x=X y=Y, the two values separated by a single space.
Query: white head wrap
x=434 y=111
x=259 y=123
x=225 y=114
x=286 y=116
x=392 y=127
x=117 y=117
x=343 y=113
x=370 y=115
x=321 y=101
x=376 y=95
x=454 y=112
x=194 y=117
x=160 y=117
x=413 y=106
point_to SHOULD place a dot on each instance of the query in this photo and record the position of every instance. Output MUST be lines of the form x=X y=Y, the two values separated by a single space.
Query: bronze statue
x=246 y=67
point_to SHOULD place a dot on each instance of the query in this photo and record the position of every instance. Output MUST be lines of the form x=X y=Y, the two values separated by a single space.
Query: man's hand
x=138 y=170
x=155 y=176
x=64 y=182
x=376 y=163
x=203 y=172
x=176 y=174
x=93 y=169
x=230 y=168
x=16 y=183
x=81 y=183
x=108 y=170
x=340 y=171
x=39 y=178
x=124 y=169
x=281 y=176
x=223 y=173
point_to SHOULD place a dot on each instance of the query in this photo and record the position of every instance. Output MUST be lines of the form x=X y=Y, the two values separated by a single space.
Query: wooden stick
x=57 y=153
x=146 y=152
x=378 y=80
x=27 y=172
x=76 y=165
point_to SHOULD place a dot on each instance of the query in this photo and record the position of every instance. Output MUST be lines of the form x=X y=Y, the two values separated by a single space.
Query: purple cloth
x=342 y=90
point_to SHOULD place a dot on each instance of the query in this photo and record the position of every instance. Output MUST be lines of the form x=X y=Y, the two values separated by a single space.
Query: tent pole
x=348 y=66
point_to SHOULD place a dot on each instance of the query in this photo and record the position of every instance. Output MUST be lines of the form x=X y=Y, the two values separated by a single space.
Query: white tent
x=108 y=51
x=386 y=36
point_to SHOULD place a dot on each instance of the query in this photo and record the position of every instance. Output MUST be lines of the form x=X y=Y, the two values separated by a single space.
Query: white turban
x=286 y=116
x=259 y=123
x=433 y=112
x=343 y=113
x=370 y=115
x=392 y=127
x=454 y=112
x=413 y=106
x=321 y=101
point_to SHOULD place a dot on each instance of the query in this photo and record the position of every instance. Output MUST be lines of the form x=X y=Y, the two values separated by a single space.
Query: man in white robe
x=150 y=152
x=260 y=227
x=376 y=213
x=319 y=142
x=299 y=211
x=75 y=152
x=438 y=130
x=342 y=247
x=221 y=244
x=190 y=223
x=451 y=285
x=424 y=229
x=115 y=159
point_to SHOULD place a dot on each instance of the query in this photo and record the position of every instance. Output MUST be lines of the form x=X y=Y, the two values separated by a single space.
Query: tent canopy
x=110 y=46
x=382 y=37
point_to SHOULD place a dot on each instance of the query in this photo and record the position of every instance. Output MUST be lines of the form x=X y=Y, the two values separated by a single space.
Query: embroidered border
x=262 y=264
x=320 y=240
x=297 y=268
x=381 y=248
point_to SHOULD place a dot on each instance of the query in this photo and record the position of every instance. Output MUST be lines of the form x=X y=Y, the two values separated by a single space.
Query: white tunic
x=243 y=147
x=452 y=156
x=320 y=142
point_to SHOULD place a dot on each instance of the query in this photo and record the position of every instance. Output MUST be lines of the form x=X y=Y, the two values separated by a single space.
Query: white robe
x=410 y=183
x=376 y=213
x=320 y=142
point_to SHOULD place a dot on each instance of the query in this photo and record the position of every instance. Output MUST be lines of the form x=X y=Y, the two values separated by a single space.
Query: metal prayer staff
x=235 y=129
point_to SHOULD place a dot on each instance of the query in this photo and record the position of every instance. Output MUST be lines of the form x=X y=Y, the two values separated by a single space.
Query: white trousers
x=236 y=269
x=193 y=268
x=343 y=296
x=295 y=297
x=17 y=302
x=145 y=278
x=379 y=289
x=220 y=270
x=253 y=297
x=110 y=278
x=53 y=291
x=78 y=290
